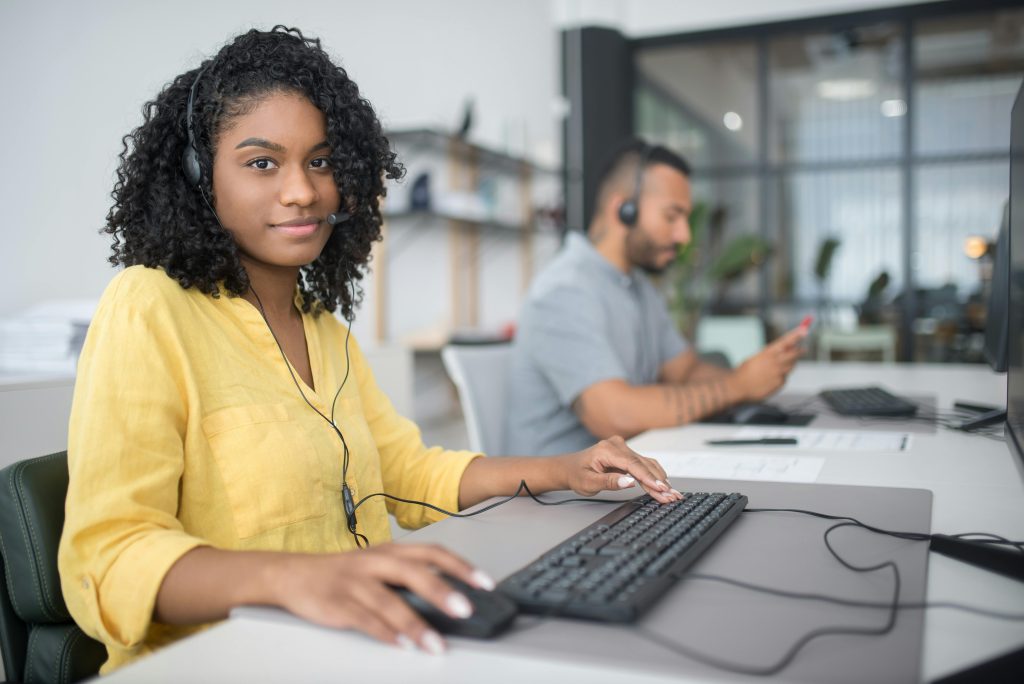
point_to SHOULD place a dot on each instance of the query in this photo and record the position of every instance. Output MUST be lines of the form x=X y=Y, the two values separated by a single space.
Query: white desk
x=977 y=487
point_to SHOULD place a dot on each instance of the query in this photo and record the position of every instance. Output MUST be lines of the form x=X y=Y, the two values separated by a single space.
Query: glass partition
x=836 y=95
x=701 y=101
x=866 y=156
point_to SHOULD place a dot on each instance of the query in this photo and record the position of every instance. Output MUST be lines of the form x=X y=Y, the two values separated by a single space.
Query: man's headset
x=190 y=156
x=629 y=211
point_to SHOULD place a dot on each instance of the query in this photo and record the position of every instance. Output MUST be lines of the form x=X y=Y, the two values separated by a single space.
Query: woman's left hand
x=610 y=464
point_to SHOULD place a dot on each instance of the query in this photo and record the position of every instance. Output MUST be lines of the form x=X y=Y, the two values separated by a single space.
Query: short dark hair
x=627 y=155
x=160 y=219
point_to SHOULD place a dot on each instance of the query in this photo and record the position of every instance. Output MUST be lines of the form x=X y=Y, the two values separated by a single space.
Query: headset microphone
x=338 y=217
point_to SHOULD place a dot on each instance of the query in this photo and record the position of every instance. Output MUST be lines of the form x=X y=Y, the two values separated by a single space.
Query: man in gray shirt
x=596 y=353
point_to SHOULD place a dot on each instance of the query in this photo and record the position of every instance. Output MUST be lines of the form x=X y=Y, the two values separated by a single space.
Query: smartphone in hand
x=805 y=328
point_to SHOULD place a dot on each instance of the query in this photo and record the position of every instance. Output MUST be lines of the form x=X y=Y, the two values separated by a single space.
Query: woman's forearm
x=608 y=465
x=345 y=590
x=206 y=583
x=488 y=477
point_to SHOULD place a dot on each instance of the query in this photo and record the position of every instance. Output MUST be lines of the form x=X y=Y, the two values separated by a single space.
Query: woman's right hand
x=351 y=590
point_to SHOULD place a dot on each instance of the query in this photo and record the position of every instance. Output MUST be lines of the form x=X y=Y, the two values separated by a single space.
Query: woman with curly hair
x=224 y=427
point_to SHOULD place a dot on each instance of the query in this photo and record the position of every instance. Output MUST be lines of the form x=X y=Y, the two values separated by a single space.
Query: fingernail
x=483 y=580
x=405 y=643
x=459 y=605
x=677 y=493
x=626 y=481
x=432 y=644
x=661 y=485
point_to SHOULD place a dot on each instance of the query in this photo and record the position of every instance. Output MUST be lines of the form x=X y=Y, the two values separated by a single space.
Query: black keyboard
x=616 y=568
x=867 y=401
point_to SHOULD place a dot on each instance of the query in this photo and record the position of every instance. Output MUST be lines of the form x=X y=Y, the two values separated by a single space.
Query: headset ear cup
x=190 y=165
x=190 y=155
x=627 y=213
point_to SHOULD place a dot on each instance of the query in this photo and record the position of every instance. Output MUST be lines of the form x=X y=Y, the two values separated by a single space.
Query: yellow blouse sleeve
x=408 y=468
x=125 y=457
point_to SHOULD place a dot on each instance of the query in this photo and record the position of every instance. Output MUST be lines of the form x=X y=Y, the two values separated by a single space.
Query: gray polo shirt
x=584 y=321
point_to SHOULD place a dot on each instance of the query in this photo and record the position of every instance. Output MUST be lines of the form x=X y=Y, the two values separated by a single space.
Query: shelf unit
x=476 y=193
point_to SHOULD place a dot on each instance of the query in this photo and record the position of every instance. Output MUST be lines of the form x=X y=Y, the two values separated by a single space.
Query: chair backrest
x=737 y=337
x=478 y=372
x=38 y=639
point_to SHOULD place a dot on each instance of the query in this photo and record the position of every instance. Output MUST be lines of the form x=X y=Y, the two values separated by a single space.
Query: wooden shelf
x=465 y=151
x=430 y=214
x=473 y=189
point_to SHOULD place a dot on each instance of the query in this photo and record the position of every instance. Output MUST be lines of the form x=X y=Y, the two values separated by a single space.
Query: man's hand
x=764 y=373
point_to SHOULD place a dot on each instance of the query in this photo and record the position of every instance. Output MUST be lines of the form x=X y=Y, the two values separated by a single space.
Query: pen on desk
x=771 y=441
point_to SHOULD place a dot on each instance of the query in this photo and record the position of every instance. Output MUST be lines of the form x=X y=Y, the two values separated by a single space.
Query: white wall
x=75 y=75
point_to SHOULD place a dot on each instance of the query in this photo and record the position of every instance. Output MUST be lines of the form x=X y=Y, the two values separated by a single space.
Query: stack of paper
x=45 y=338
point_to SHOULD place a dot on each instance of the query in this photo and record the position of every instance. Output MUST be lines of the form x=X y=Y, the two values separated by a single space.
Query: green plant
x=822 y=269
x=702 y=267
x=826 y=253
x=738 y=256
x=684 y=298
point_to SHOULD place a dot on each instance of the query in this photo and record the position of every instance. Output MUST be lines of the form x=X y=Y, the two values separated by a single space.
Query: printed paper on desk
x=716 y=465
x=831 y=440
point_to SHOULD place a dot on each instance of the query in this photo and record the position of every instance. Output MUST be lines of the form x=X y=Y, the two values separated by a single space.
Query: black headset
x=190 y=157
x=629 y=211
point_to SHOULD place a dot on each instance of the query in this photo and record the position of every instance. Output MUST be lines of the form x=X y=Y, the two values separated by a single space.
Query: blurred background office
x=853 y=166
x=850 y=161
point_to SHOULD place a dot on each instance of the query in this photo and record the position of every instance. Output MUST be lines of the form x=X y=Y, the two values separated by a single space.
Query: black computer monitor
x=1015 y=291
x=998 y=559
x=998 y=305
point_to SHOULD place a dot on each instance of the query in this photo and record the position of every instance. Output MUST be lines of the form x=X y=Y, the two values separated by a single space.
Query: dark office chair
x=38 y=639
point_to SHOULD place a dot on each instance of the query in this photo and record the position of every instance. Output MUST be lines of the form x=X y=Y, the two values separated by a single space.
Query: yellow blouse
x=187 y=430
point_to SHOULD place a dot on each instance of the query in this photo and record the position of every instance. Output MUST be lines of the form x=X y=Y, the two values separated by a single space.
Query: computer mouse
x=759 y=414
x=493 y=612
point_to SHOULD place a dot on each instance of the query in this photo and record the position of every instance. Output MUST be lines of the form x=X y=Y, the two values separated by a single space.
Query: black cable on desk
x=523 y=487
x=787 y=658
x=893 y=606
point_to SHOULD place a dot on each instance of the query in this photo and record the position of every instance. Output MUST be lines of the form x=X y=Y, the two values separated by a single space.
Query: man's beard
x=643 y=254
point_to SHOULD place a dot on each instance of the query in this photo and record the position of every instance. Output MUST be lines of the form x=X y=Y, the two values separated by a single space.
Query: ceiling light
x=732 y=121
x=891 y=108
x=846 y=88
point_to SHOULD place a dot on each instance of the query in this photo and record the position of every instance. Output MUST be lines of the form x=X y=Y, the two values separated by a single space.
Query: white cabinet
x=34 y=411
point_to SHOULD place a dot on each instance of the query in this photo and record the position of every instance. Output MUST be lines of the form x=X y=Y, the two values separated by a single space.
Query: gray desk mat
x=827 y=419
x=778 y=550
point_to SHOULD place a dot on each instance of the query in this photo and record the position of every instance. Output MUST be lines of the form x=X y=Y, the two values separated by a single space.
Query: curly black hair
x=160 y=219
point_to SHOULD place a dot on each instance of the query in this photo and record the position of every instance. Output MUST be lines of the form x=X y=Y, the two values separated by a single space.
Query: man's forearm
x=699 y=399
x=617 y=408
x=707 y=371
